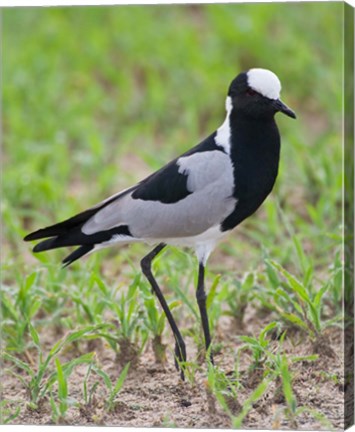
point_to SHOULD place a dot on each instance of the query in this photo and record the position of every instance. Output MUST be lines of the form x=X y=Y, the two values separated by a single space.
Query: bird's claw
x=180 y=359
x=210 y=355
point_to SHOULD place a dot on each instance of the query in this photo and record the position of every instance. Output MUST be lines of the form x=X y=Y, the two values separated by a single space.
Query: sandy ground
x=154 y=395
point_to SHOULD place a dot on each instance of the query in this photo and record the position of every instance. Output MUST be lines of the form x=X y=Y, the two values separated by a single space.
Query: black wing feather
x=167 y=185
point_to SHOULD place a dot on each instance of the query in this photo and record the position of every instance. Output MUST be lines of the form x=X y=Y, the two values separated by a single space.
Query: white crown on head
x=264 y=82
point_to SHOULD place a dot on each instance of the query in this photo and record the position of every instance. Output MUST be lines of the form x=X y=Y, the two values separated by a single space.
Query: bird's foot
x=209 y=355
x=180 y=358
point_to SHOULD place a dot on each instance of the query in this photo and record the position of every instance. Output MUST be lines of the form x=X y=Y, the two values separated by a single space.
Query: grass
x=98 y=97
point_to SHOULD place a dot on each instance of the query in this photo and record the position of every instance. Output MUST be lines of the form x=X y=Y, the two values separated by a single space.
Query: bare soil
x=154 y=395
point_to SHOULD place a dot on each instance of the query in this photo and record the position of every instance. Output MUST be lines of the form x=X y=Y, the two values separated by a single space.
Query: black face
x=248 y=102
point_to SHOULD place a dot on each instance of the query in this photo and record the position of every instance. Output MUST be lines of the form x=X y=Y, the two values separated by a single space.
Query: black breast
x=255 y=152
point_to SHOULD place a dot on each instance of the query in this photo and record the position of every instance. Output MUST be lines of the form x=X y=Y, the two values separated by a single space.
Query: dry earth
x=153 y=394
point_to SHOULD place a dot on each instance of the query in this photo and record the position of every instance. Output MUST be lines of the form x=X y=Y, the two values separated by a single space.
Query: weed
x=18 y=311
x=7 y=413
x=295 y=303
x=112 y=390
x=38 y=382
x=239 y=296
x=155 y=323
x=59 y=412
x=258 y=345
x=89 y=393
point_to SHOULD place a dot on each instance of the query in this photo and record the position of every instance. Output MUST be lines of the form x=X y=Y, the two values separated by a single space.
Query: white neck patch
x=264 y=82
x=223 y=136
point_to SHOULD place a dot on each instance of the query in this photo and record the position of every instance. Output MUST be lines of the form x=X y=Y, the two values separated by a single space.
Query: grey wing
x=185 y=198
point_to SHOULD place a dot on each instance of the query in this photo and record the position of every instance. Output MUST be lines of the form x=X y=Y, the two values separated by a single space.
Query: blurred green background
x=97 y=97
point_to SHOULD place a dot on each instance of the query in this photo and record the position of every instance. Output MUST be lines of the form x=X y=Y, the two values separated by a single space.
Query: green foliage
x=248 y=404
x=271 y=365
x=225 y=390
x=113 y=390
x=298 y=303
x=287 y=386
x=39 y=381
x=7 y=413
x=154 y=320
x=18 y=310
x=126 y=311
x=59 y=413
x=258 y=346
x=240 y=294
x=88 y=393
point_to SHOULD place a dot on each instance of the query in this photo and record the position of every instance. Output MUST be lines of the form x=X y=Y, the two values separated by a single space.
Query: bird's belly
x=203 y=243
x=211 y=235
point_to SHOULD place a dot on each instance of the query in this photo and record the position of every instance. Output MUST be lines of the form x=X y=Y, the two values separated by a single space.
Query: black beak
x=280 y=106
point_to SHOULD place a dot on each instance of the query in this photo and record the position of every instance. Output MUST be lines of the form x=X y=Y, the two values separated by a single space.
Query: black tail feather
x=45 y=245
x=78 y=253
x=76 y=237
x=76 y=221
x=62 y=227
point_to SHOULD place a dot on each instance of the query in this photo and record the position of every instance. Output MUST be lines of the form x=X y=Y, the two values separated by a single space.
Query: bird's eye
x=251 y=92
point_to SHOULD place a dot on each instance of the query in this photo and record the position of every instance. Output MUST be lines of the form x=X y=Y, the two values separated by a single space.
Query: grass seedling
x=155 y=322
x=17 y=311
x=113 y=390
x=40 y=380
x=257 y=394
x=59 y=412
x=225 y=390
x=288 y=391
x=127 y=310
x=292 y=411
x=7 y=414
x=296 y=304
x=190 y=369
x=275 y=368
x=258 y=346
x=238 y=298
x=88 y=394
x=271 y=367
x=220 y=385
x=168 y=423
x=91 y=298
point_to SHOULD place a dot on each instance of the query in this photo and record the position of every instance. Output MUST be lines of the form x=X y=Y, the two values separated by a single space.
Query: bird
x=193 y=201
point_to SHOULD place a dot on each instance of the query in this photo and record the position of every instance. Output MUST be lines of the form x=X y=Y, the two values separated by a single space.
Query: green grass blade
x=248 y=404
x=121 y=379
x=293 y=282
x=62 y=382
x=19 y=363
x=34 y=335
x=287 y=386
x=104 y=376
x=212 y=292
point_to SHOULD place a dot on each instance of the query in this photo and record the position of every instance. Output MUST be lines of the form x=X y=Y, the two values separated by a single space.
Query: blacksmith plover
x=194 y=200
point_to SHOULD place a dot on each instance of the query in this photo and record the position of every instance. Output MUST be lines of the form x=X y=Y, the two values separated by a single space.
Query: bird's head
x=256 y=93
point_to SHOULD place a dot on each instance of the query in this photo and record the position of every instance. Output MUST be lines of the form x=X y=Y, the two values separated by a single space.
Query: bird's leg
x=180 y=349
x=201 y=300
